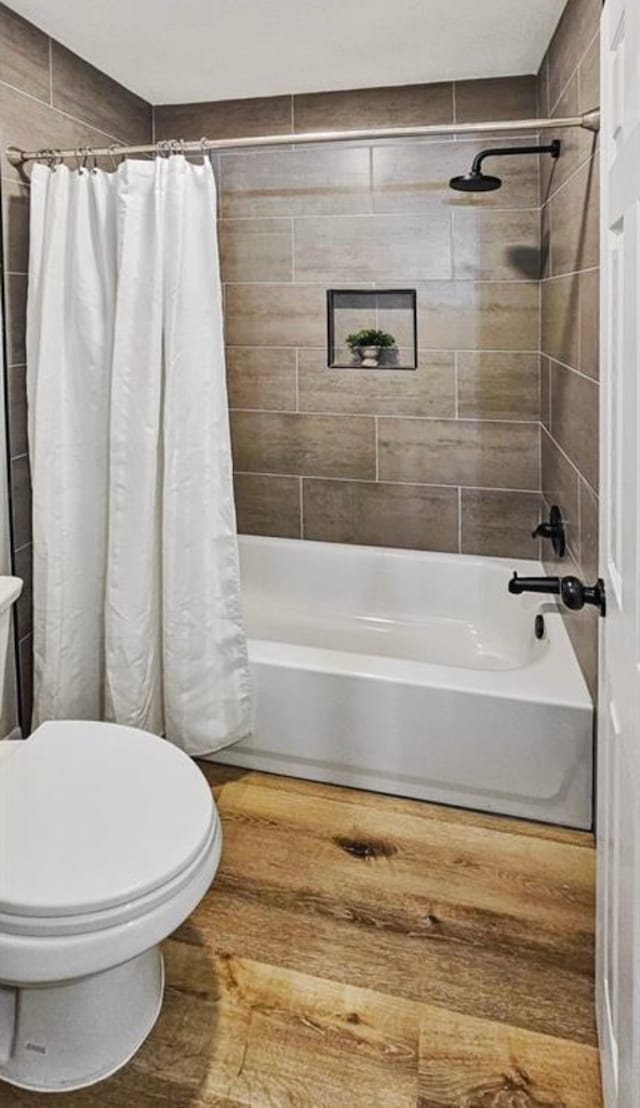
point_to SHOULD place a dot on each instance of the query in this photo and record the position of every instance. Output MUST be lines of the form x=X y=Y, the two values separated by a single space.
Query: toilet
x=109 y=838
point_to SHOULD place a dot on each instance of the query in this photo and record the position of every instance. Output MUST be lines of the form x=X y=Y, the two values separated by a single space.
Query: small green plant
x=369 y=337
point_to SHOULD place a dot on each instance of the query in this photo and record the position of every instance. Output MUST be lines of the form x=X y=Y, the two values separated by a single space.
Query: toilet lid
x=93 y=815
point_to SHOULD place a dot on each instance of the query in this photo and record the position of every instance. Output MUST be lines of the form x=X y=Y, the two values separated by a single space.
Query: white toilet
x=109 y=837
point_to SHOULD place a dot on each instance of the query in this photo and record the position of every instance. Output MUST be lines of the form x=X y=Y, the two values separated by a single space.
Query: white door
x=618 y=818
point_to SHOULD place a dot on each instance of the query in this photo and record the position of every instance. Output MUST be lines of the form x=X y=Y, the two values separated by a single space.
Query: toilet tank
x=10 y=589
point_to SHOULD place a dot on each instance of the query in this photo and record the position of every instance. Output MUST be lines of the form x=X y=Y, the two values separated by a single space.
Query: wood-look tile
x=498 y=245
x=560 y=486
x=543 y=89
x=24 y=55
x=498 y=386
x=545 y=239
x=413 y=177
x=261 y=377
x=16 y=309
x=356 y=109
x=499 y=524
x=576 y=29
x=255 y=250
x=589 y=361
x=574 y=419
x=438 y=919
x=589 y=531
x=20 y=479
x=459 y=452
x=15 y=214
x=302 y=444
x=427 y=391
x=467 y=315
x=17 y=422
x=32 y=125
x=223 y=119
x=383 y=248
x=87 y=93
x=589 y=78
x=275 y=315
x=496 y=98
x=576 y=144
x=575 y=222
x=560 y=323
x=466 y=1061
x=545 y=391
x=327 y=181
x=378 y=514
x=267 y=505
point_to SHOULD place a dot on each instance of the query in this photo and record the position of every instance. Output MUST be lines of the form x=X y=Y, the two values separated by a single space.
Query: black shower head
x=475 y=182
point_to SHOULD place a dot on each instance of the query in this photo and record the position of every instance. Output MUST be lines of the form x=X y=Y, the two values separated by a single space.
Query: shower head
x=477 y=181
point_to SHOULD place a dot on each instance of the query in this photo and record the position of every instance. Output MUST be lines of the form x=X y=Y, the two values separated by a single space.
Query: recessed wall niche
x=372 y=329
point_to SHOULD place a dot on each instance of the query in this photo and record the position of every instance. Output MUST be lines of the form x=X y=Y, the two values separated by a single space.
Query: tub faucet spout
x=573 y=593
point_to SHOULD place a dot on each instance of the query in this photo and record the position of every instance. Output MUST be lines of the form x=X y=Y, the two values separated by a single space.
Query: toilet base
x=60 y=1037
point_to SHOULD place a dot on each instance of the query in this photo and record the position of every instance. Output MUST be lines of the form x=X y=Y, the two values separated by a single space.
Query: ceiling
x=173 y=51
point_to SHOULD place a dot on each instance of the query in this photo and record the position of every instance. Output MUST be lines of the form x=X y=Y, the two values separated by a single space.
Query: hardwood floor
x=359 y=951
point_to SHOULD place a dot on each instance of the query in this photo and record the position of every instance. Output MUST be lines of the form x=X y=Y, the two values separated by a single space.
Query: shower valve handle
x=571 y=590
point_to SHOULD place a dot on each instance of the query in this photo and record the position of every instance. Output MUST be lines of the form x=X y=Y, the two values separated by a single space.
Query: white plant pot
x=369 y=356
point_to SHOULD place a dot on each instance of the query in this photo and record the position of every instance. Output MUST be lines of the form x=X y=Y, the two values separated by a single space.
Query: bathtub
x=415 y=674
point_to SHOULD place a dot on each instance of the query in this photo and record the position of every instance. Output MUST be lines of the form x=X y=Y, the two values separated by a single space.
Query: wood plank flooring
x=360 y=951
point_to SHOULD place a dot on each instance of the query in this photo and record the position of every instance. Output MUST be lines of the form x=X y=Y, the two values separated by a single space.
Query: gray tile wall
x=48 y=97
x=568 y=83
x=447 y=457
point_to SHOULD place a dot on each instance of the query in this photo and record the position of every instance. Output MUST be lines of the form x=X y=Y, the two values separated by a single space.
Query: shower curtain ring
x=112 y=155
x=92 y=154
x=54 y=159
x=162 y=146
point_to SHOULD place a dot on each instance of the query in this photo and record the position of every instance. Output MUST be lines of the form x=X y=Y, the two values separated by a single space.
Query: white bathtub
x=414 y=674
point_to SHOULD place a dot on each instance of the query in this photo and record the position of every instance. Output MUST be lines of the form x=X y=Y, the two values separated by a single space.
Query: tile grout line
x=572 y=369
x=312 y=413
x=574 y=72
x=59 y=111
x=517 y=491
x=571 y=463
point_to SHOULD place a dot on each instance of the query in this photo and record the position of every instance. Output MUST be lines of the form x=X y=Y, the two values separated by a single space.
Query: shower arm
x=589 y=121
x=553 y=148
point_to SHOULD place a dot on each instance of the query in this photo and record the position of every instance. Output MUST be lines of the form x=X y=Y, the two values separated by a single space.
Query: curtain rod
x=590 y=121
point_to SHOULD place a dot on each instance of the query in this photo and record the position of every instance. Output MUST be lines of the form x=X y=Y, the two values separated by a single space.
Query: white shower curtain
x=137 y=614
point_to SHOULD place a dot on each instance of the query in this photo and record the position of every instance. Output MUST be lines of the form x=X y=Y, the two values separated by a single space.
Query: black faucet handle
x=553 y=529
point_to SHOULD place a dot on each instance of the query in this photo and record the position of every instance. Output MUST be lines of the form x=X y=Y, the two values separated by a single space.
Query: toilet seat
x=156 y=865
x=96 y=817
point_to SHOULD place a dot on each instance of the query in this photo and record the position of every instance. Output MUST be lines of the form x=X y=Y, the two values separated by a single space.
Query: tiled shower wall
x=48 y=97
x=568 y=84
x=447 y=457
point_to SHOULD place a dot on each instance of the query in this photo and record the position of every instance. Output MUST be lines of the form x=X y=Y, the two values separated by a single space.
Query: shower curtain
x=137 y=615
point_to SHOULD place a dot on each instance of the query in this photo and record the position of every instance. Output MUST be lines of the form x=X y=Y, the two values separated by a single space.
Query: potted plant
x=368 y=343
